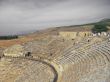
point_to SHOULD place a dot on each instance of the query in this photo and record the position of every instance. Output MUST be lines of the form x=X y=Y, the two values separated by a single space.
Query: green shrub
x=8 y=37
x=98 y=28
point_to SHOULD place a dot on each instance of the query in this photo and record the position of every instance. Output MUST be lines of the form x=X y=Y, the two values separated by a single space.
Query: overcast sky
x=22 y=15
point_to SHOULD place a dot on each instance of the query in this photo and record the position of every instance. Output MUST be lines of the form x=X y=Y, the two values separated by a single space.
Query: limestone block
x=68 y=35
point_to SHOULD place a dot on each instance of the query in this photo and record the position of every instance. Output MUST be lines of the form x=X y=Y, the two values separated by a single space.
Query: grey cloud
x=22 y=15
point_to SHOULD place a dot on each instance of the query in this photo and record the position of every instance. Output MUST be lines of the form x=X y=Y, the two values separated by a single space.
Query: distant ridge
x=105 y=20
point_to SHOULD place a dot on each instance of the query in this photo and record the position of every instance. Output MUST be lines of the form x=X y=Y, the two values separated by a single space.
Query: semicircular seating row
x=21 y=70
x=36 y=72
x=89 y=65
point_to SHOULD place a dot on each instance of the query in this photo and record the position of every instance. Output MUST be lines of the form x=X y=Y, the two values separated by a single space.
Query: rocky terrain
x=22 y=70
x=51 y=57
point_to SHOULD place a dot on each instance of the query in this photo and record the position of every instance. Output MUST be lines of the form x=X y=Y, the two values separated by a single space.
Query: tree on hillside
x=98 y=28
x=8 y=37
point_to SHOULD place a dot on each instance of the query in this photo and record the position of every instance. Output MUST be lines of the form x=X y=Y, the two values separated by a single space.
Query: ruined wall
x=68 y=35
x=85 y=34
x=73 y=35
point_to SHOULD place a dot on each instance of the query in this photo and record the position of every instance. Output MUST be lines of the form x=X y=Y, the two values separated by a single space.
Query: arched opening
x=28 y=54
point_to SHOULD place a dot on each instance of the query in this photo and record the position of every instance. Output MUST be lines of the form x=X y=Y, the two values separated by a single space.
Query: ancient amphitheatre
x=61 y=54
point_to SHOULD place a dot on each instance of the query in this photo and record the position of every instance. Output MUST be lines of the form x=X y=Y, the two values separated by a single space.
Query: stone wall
x=73 y=35
x=68 y=35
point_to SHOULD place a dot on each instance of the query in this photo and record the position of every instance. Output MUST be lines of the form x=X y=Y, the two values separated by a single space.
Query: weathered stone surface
x=1 y=52
x=73 y=35
x=84 y=59
x=86 y=62
x=23 y=70
x=15 y=51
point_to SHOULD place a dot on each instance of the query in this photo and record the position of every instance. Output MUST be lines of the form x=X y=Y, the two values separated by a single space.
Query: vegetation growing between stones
x=8 y=37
